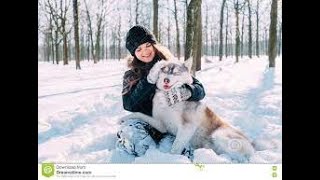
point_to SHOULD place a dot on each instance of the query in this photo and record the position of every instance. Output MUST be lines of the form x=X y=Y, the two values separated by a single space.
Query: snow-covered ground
x=78 y=111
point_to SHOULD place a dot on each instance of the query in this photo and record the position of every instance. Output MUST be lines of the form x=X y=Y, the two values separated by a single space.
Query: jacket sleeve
x=139 y=94
x=197 y=90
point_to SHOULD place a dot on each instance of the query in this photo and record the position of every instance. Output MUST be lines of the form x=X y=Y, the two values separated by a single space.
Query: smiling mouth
x=166 y=86
x=146 y=56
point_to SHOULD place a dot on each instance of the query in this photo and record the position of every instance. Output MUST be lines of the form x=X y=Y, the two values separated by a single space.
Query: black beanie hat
x=136 y=36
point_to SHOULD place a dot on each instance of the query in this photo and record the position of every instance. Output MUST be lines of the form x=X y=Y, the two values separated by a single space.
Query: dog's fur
x=192 y=122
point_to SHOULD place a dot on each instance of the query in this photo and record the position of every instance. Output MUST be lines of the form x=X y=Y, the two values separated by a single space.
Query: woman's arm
x=197 y=90
x=138 y=95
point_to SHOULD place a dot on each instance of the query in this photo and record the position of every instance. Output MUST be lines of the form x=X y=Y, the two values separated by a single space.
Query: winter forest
x=236 y=52
x=94 y=30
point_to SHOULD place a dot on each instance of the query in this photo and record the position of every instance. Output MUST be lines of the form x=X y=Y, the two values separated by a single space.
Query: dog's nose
x=166 y=80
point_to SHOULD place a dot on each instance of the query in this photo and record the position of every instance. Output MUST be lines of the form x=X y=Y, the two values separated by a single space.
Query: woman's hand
x=177 y=94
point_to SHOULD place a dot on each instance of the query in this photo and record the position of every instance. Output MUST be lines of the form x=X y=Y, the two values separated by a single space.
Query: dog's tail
x=228 y=140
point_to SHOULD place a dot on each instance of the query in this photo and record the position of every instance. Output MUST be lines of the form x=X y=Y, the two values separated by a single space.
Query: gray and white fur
x=192 y=122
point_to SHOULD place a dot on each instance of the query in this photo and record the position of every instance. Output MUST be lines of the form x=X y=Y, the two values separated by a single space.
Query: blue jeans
x=135 y=137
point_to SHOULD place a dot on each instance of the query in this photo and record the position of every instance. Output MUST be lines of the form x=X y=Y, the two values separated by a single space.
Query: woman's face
x=145 y=52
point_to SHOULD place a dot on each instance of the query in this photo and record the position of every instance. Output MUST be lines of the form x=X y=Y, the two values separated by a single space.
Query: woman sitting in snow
x=136 y=136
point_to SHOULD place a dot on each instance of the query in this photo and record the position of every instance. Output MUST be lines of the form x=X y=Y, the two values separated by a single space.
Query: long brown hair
x=140 y=69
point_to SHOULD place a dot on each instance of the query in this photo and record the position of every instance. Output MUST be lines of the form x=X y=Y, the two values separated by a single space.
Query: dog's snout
x=166 y=80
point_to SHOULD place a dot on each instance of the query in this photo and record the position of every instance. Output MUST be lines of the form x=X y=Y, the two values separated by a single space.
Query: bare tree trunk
x=93 y=56
x=206 y=32
x=169 y=28
x=51 y=37
x=160 y=32
x=114 y=45
x=100 y=17
x=221 y=30
x=76 y=33
x=242 y=33
x=272 y=48
x=130 y=14
x=189 y=32
x=193 y=35
x=226 y=45
x=88 y=46
x=155 y=19
x=57 y=46
x=71 y=50
x=82 y=45
x=237 y=8
x=137 y=13
x=47 y=47
x=266 y=40
x=257 y=29
x=90 y=32
x=169 y=35
x=52 y=47
x=185 y=22
x=177 y=29
x=230 y=46
x=102 y=43
x=65 y=50
x=119 y=38
x=97 y=43
x=280 y=40
x=62 y=30
x=250 y=30
x=56 y=23
x=106 y=44
x=198 y=38
x=212 y=41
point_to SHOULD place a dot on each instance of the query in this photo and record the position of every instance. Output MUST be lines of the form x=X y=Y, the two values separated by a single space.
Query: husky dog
x=192 y=122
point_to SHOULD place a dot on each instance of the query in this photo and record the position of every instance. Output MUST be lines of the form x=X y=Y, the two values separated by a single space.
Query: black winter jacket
x=139 y=98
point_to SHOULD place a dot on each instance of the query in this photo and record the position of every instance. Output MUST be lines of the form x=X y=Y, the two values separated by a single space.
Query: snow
x=78 y=111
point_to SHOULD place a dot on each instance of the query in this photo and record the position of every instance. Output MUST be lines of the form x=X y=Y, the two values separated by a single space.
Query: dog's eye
x=165 y=69
x=175 y=71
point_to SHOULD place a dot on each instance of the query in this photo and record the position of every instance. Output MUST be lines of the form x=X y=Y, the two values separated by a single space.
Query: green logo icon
x=274 y=174
x=274 y=168
x=200 y=166
x=47 y=169
x=274 y=171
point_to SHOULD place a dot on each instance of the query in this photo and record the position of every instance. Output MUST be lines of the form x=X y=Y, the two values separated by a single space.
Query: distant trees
x=58 y=13
x=235 y=28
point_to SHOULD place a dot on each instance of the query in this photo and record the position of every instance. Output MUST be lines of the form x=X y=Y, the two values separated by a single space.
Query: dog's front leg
x=182 y=140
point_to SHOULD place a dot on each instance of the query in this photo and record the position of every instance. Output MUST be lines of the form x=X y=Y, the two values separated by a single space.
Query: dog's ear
x=188 y=64
x=154 y=72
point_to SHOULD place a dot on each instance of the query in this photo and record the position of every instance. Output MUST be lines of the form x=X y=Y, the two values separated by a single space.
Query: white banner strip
x=53 y=171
